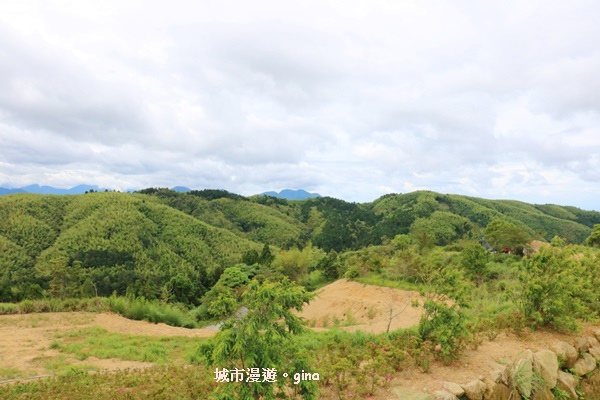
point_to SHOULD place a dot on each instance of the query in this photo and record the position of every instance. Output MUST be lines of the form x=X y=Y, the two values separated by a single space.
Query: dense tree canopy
x=503 y=234
x=174 y=246
x=120 y=243
x=594 y=239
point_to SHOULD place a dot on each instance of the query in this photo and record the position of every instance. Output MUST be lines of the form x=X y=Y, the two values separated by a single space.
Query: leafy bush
x=444 y=325
x=474 y=259
x=9 y=308
x=352 y=272
x=557 y=289
x=594 y=239
x=152 y=311
x=444 y=322
x=26 y=307
x=314 y=280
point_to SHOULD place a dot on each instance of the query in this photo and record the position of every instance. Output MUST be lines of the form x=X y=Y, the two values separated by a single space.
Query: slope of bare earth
x=356 y=306
x=25 y=339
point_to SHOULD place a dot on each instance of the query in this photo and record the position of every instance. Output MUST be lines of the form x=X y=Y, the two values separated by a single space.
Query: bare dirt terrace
x=356 y=306
x=25 y=340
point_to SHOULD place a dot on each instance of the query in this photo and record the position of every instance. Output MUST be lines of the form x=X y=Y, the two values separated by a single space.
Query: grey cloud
x=343 y=99
x=43 y=87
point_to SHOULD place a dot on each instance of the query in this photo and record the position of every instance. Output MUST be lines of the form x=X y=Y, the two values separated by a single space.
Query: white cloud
x=351 y=99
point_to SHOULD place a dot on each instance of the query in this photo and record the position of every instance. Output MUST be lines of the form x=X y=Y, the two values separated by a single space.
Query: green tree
x=422 y=234
x=330 y=265
x=425 y=206
x=594 y=239
x=266 y=257
x=262 y=339
x=250 y=257
x=556 y=289
x=440 y=228
x=474 y=259
x=222 y=299
x=295 y=263
x=500 y=234
x=557 y=241
x=401 y=242
x=65 y=280
x=88 y=289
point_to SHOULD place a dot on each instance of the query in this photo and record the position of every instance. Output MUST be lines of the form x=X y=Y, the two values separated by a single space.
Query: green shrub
x=41 y=306
x=8 y=308
x=556 y=289
x=352 y=272
x=97 y=304
x=55 y=345
x=560 y=394
x=26 y=307
x=444 y=325
x=153 y=311
x=360 y=338
x=444 y=322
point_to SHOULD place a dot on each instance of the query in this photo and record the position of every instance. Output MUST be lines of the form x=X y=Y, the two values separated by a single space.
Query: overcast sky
x=351 y=99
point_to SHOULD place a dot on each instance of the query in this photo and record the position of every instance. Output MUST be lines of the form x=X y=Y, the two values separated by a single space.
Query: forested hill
x=121 y=242
x=333 y=224
x=160 y=240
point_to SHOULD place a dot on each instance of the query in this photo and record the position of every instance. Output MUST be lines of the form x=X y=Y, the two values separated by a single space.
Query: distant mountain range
x=290 y=194
x=79 y=189
x=181 y=189
x=4 y=191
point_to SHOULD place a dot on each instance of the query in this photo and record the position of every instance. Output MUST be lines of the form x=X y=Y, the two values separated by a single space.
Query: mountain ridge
x=44 y=189
x=291 y=194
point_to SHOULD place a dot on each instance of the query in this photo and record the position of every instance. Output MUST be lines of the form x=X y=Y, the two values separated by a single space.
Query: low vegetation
x=99 y=343
x=133 y=308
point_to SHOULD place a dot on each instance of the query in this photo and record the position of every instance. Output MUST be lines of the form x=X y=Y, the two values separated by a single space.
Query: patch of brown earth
x=536 y=245
x=25 y=339
x=356 y=306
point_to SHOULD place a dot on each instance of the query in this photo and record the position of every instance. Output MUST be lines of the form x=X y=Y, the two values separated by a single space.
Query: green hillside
x=174 y=246
x=259 y=219
x=399 y=212
x=333 y=224
x=120 y=242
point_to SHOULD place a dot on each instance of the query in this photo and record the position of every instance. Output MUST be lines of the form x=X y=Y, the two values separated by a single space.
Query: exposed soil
x=356 y=306
x=25 y=339
x=118 y=324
